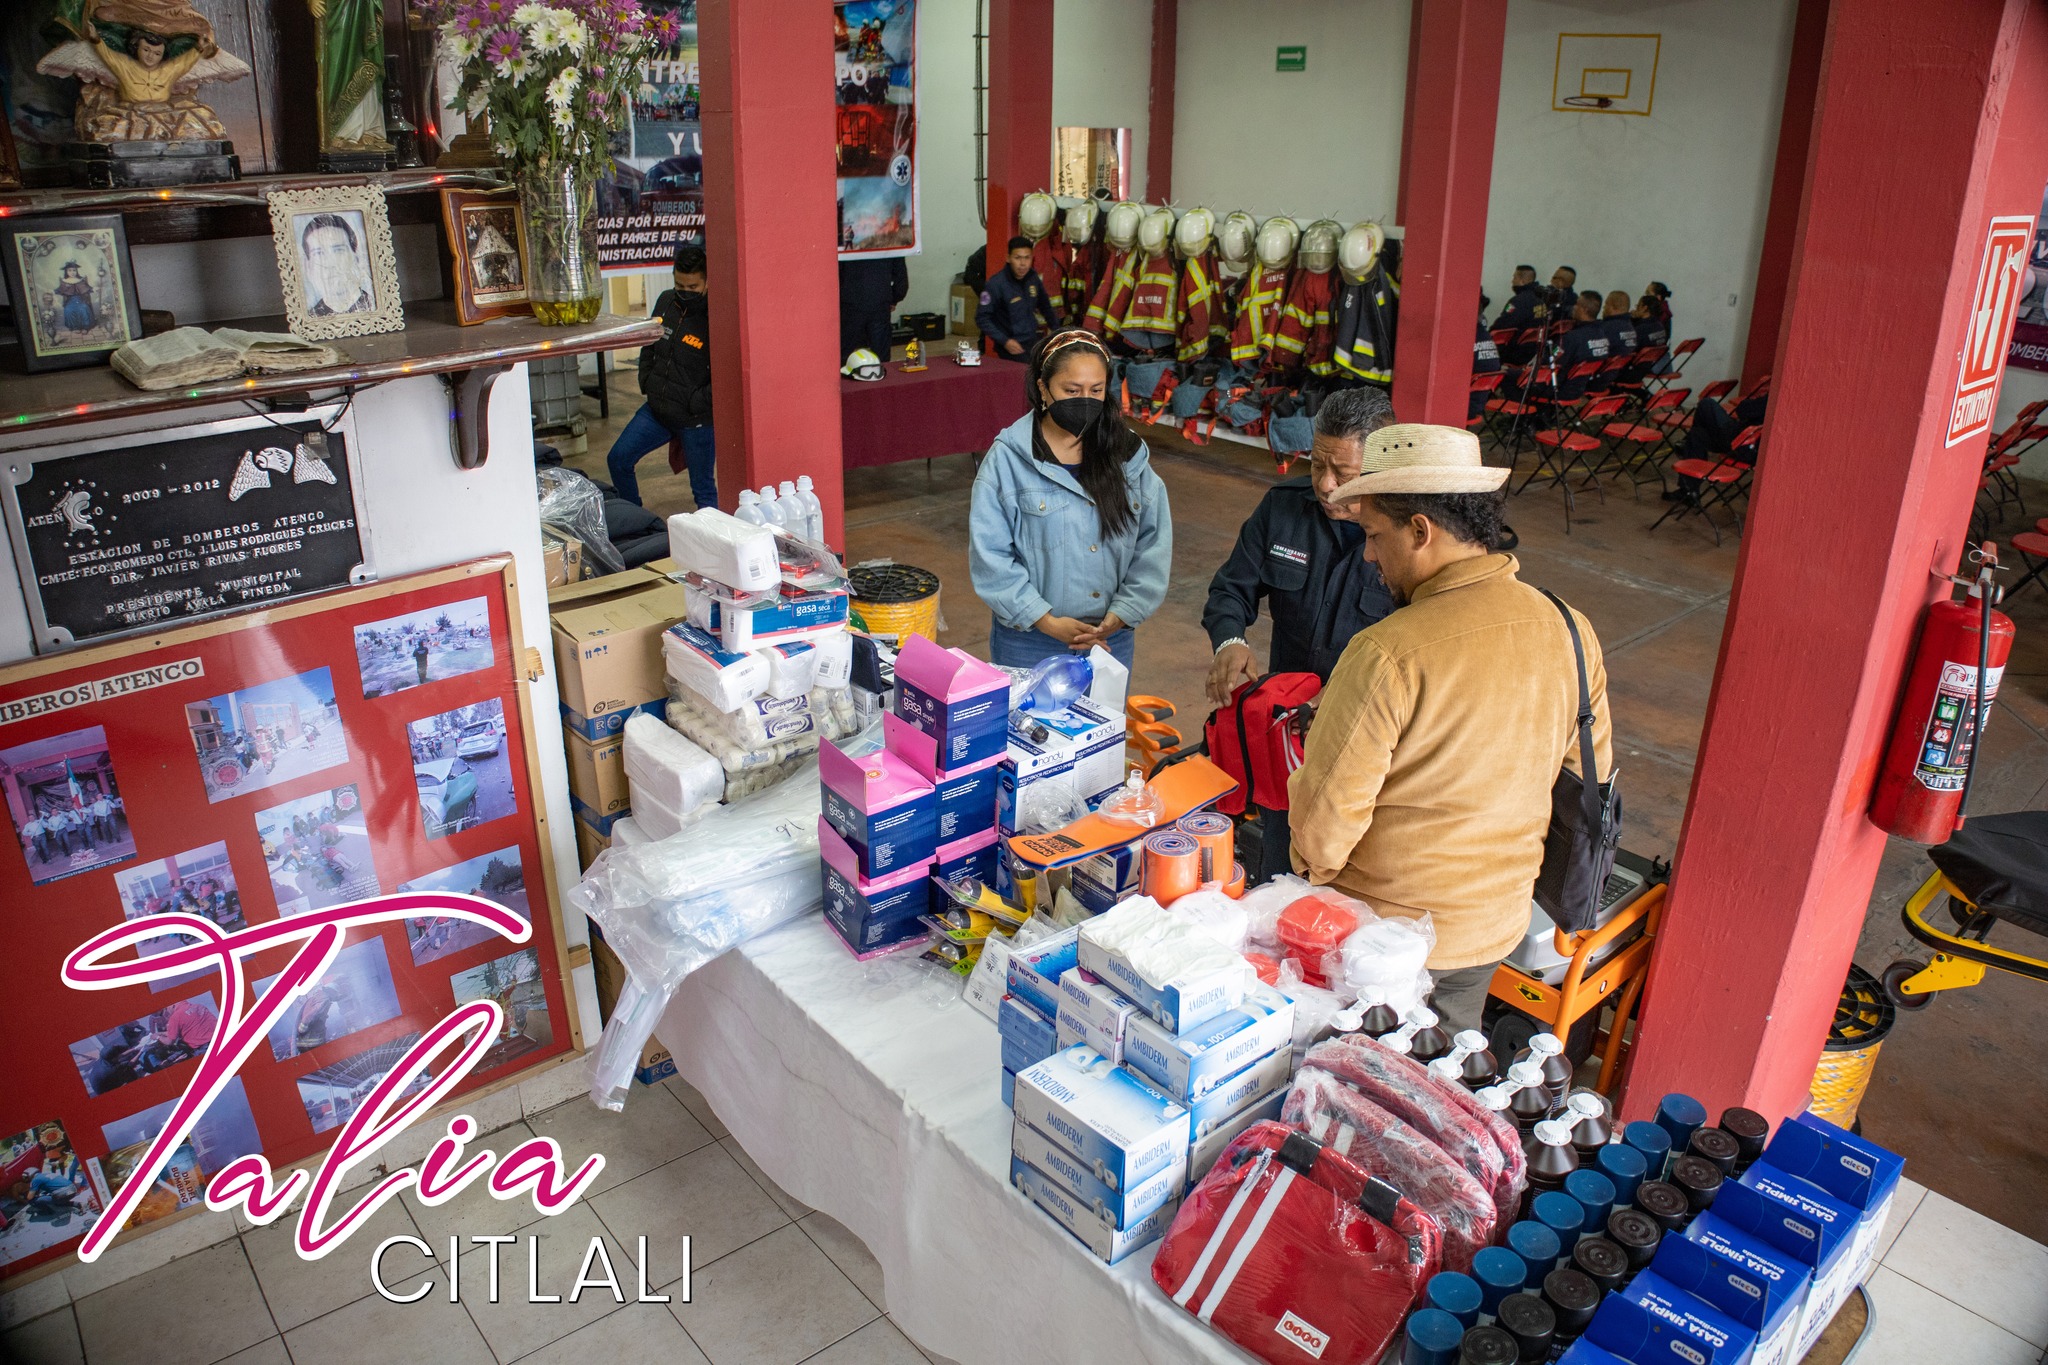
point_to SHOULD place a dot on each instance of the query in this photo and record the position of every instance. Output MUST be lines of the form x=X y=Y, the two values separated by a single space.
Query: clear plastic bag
x=669 y=907
x=1385 y=954
x=1216 y=915
x=1262 y=907
x=572 y=504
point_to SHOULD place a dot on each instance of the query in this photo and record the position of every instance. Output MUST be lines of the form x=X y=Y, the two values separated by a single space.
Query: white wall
x=1321 y=142
x=1679 y=196
x=1102 y=53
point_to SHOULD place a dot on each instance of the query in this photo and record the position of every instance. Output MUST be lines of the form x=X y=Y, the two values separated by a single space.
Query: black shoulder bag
x=1585 y=819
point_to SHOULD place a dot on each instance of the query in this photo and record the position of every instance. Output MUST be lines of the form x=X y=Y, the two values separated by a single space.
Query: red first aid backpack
x=1256 y=738
x=1296 y=1253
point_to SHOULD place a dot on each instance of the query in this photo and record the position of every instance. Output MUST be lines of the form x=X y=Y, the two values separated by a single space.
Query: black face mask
x=1074 y=415
x=689 y=298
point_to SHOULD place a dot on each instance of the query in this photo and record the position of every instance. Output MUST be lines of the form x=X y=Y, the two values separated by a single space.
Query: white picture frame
x=335 y=261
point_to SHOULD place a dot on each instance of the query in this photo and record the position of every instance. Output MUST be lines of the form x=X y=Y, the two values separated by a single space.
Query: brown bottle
x=1592 y=1128
x=1551 y=1158
x=1430 y=1041
x=1528 y=1098
x=1547 y=1051
x=1379 y=1018
x=1477 y=1065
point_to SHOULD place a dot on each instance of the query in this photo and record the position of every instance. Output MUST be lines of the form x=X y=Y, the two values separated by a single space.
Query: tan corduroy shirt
x=1426 y=784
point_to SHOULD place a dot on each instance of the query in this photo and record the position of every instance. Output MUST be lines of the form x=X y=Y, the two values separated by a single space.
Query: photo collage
x=63 y=794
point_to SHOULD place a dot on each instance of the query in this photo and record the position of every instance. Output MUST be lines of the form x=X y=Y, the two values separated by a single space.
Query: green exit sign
x=1290 y=59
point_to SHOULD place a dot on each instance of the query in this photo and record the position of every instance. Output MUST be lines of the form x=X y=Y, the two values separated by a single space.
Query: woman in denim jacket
x=1071 y=536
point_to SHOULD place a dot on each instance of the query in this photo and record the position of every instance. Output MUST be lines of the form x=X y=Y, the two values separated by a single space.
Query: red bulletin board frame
x=137 y=692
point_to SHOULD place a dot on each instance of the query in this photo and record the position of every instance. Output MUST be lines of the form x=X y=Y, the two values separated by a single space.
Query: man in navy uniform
x=1587 y=340
x=1013 y=302
x=1527 y=308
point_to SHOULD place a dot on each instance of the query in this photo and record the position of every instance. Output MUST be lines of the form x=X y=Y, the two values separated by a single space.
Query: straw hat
x=1413 y=458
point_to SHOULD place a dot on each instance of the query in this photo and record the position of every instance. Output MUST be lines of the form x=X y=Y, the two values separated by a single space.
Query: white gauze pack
x=668 y=767
x=721 y=547
x=700 y=663
x=792 y=670
x=758 y=723
x=835 y=659
x=713 y=730
x=1158 y=946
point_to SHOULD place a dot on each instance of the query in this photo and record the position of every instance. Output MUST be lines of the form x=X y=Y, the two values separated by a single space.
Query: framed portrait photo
x=335 y=261
x=487 y=238
x=72 y=286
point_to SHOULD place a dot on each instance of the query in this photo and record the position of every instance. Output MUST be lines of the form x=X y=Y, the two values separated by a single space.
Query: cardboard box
x=1118 y=1208
x=1035 y=971
x=589 y=843
x=973 y=856
x=871 y=914
x=1121 y=1128
x=1210 y=1145
x=1215 y=985
x=1630 y=1333
x=552 y=558
x=1105 y=1243
x=597 y=772
x=1719 y=1338
x=594 y=728
x=608 y=651
x=1028 y=1036
x=957 y=699
x=881 y=807
x=1807 y=1224
x=1762 y=1291
x=1268 y=1075
x=603 y=588
x=1189 y=1065
x=1858 y=1172
x=962 y=304
x=966 y=796
x=1092 y=1014
x=610 y=975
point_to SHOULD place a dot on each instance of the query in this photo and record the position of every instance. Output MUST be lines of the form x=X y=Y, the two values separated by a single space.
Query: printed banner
x=653 y=201
x=2029 y=346
x=875 y=45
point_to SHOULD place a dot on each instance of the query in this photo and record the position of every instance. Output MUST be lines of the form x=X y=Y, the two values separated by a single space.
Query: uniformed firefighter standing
x=1012 y=304
x=1302 y=555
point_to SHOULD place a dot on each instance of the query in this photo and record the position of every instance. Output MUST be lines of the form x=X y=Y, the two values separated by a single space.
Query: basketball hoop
x=1589 y=101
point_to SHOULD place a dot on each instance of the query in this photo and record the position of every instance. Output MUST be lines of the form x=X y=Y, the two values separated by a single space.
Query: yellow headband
x=1073 y=336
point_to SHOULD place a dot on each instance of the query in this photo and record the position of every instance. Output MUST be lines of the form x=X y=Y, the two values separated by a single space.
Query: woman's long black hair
x=1105 y=446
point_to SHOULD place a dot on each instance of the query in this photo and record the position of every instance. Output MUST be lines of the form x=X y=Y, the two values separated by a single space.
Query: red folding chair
x=1486 y=384
x=1635 y=377
x=1517 y=406
x=1647 y=437
x=1719 y=482
x=2031 y=545
x=1559 y=449
x=1680 y=355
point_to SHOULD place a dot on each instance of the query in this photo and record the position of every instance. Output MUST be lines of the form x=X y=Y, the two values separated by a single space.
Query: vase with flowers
x=556 y=82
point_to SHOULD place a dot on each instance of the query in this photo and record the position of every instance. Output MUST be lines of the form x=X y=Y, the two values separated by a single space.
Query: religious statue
x=138 y=63
x=348 y=35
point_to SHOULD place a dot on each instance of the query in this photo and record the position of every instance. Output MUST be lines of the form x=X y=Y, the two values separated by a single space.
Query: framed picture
x=335 y=260
x=73 y=288
x=487 y=237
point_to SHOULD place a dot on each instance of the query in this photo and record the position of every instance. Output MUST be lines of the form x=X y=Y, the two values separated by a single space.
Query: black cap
x=1488 y=1346
x=1603 y=1262
x=1572 y=1296
x=1664 y=1202
x=1715 y=1145
x=1530 y=1321
x=1699 y=1178
x=1636 y=1233
x=1749 y=1129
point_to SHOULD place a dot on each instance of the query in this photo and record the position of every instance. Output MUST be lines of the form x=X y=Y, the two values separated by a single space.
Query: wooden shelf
x=432 y=342
x=237 y=208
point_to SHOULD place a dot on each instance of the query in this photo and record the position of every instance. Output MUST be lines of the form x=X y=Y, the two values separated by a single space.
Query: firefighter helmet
x=861 y=364
x=1036 y=215
x=1195 y=233
x=1275 y=243
x=1155 y=230
x=1120 y=229
x=1318 y=251
x=1079 y=225
x=1359 y=249
x=1234 y=239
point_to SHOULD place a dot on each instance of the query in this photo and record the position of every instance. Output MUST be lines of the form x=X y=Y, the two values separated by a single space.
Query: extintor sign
x=1946 y=746
x=1992 y=309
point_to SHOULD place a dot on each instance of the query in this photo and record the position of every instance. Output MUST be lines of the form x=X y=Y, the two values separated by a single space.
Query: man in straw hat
x=1426 y=786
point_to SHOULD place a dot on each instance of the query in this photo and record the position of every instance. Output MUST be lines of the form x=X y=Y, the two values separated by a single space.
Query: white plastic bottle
x=749 y=508
x=771 y=510
x=793 y=510
x=813 y=509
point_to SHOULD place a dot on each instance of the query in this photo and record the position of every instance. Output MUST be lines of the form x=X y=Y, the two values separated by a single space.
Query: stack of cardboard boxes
x=923 y=806
x=1123 y=1091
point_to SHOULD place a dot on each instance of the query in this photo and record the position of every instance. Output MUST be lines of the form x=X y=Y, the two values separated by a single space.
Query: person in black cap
x=675 y=375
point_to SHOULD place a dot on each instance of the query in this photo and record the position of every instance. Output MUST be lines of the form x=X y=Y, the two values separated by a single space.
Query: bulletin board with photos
x=370 y=740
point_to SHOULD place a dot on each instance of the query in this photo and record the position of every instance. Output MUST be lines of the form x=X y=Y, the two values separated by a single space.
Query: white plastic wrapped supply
x=835 y=660
x=720 y=546
x=1386 y=955
x=792 y=669
x=671 y=778
x=668 y=907
x=1216 y=915
x=699 y=662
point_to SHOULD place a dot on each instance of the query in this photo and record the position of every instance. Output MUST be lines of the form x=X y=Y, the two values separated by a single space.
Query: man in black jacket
x=1012 y=303
x=1304 y=556
x=675 y=375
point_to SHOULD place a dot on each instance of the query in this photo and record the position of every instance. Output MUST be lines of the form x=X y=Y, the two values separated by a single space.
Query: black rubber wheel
x=1894 y=980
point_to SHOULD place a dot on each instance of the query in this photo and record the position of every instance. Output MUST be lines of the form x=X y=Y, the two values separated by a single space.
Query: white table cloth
x=872 y=1091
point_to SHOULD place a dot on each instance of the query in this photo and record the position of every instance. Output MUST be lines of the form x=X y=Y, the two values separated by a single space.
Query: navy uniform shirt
x=1311 y=573
x=1485 y=360
x=1010 y=308
x=1525 y=309
x=1621 y=334
x=1587 y=341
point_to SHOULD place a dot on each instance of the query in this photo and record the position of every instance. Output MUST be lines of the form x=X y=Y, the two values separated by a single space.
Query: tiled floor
x=775 y=1283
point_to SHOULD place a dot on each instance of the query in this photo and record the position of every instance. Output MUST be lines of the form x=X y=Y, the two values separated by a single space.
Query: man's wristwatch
x=1233 y=640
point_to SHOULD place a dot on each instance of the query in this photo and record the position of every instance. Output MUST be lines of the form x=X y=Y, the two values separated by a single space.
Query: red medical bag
x=1292 y=1251
x=1256 y=737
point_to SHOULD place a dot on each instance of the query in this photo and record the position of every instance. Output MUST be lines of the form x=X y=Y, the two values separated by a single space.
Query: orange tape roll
x=1216 y=834
x=1234 y=888
x=1171 y=866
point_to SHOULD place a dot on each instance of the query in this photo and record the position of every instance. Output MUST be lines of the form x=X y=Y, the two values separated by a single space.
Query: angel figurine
x=139 y=63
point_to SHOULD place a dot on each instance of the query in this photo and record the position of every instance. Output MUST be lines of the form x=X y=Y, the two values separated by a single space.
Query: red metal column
x=1159 y=116
x=1788 y=183
x=1915 y=147
x=1408 y=107
x=1019 y=115
x=1454 y=95
x=770 y=229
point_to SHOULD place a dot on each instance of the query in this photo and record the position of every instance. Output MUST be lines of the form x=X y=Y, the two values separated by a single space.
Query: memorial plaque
x=130 y=533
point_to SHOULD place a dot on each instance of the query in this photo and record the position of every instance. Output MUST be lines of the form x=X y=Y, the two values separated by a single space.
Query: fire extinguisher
x=1925 y=782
